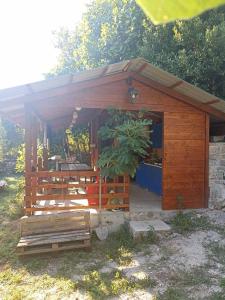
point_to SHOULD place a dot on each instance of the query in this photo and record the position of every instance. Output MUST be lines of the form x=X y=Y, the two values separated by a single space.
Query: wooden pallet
x=48 y=233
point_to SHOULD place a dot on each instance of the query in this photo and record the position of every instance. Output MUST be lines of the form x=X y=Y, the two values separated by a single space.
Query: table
x=71 y=166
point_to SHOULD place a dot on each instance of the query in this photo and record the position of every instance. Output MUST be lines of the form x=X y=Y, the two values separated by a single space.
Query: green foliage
x=117 y=25
x=170 y=10
x=173 y=293
x=189 y=222
x=11 y=204
x=20 y=161
x=2 y=141
x=152 y=237
x=193 y=277
x=11 y=137
x=78 y=141
x=193 y=50
x=217 y=252
x=72 y=142
x=57 y=142
x=126 y=136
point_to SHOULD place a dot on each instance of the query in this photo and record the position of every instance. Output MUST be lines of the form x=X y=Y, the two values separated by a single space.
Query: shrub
x=189 y=222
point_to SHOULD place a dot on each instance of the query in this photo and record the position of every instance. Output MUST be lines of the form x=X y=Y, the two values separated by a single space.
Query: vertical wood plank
x=28 y=153
x=206 y=159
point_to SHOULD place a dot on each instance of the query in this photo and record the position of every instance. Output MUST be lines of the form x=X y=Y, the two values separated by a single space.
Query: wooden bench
x=55 y=232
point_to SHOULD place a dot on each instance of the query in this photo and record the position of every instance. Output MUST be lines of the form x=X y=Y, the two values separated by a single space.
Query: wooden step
x=52 y=247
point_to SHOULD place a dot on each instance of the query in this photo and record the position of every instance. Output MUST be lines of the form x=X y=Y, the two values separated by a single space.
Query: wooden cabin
x=182 y=115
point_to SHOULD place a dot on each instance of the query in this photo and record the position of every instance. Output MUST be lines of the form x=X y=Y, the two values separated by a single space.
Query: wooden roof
x=13 y=100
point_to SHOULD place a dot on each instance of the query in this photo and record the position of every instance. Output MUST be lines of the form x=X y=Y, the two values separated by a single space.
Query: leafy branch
x=126 y=138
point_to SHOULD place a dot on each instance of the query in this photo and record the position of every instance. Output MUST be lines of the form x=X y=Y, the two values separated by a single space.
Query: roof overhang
x=13 y=100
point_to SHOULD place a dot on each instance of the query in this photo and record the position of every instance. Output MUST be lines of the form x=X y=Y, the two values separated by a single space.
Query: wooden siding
x=112 y=94
x=185 y=164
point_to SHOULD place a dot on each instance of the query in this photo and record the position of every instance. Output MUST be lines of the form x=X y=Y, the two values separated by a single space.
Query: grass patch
x=217 y=252
x=190 y=278
x=118 y=247
x=20 y=284
x=189 y=222
x=173 y=293
x=219 y=295
x=181 y=281
x=102 y=286
x=9 y=236
x=11 y=204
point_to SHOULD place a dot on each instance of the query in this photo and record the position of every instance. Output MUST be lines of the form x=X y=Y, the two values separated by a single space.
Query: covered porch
x=56 y=184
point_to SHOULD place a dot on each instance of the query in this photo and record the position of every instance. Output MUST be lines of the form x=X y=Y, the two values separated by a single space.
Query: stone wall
x=217 y=175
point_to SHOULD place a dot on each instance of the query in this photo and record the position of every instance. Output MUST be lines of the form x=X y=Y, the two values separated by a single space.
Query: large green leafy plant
x=125 y=138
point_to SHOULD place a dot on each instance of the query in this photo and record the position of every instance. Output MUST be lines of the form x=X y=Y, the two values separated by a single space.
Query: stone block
x=140 y=229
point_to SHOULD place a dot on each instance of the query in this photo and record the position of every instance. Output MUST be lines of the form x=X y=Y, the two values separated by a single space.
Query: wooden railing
x=68 y=190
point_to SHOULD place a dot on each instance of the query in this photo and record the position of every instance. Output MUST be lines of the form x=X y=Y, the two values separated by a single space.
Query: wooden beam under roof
x=66 y=89
x=212 y=101
x=142 y=67
x=179 y=82
x=179 y=96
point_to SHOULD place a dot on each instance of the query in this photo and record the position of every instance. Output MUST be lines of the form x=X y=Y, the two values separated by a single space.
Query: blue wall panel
x=150 y=177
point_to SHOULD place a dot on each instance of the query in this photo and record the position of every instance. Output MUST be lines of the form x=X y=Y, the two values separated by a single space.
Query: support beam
x=142 y=67
x=28 y=153
x=212 y=102
x=66 y=89
x=206 y=187
x=45 y=148
x=176 y=84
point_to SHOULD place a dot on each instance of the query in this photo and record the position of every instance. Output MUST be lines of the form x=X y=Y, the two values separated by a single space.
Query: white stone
x=141 y=228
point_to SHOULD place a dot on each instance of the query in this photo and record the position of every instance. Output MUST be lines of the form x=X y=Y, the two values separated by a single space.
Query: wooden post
x=34 y=143
x=45 y=148
x=207 y=191
x=34 y=157
x=126 y=179
x=28 y=154
x=94 y=141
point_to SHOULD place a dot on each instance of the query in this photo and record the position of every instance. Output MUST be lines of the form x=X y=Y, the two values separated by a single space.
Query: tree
x=11 y=137
x=2 y=141
x=116 y=30
x=193 y=50
x=110 y=31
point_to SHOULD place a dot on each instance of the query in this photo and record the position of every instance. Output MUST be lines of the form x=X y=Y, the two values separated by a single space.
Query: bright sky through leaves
x=26 y=27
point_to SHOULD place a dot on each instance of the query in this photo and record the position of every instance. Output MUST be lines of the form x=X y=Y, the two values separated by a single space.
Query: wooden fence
x=62 y=190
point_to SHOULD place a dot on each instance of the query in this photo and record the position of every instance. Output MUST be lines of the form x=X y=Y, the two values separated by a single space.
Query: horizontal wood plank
x=48 y=248
x=54 y=238
x=74 y=207
x=60 y=197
